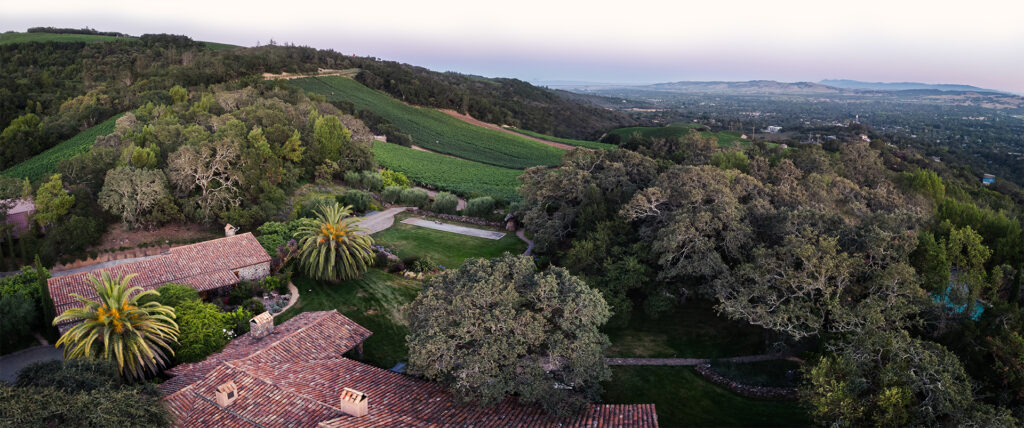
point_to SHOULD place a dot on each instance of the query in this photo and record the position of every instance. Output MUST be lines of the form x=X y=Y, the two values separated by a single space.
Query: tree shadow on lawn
x=378 y=308
x=693 y=330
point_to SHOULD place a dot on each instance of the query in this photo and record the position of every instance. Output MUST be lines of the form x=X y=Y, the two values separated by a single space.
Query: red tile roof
x=297 y=381
x=205 y=266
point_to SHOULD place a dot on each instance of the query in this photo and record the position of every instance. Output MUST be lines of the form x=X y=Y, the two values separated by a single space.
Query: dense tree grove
x=824 y=247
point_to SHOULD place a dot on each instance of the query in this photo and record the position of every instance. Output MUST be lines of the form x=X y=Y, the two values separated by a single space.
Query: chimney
x=261 y=325
x=354 y=403
x=227 y=394
x=230 y=230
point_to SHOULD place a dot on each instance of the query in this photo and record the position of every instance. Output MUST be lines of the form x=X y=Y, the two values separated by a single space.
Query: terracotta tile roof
x=297 y=381
x=205 y=266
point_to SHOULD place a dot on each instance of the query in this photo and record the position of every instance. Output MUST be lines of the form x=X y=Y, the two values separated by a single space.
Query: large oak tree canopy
x=496 y=328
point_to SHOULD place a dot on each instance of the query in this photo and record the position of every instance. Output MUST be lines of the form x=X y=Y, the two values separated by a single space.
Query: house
x=206 y=266
x=19 y=215
x=988 y=179
x=773 y=129
x=297 y=376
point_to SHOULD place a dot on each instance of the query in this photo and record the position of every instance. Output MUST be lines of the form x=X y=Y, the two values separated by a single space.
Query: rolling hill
x=435 y=130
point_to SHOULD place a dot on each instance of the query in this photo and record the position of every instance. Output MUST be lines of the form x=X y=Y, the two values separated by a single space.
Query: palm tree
x=118 y=328
x=333 y=247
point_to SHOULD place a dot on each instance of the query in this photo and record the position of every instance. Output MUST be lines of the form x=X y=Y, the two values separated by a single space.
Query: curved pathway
x=294 y=291
x=695 y=361
x=381 y=220
x=521 y=233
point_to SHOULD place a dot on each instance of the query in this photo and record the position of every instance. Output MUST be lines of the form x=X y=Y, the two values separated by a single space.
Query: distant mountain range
x=902 y=86
x=824 y=87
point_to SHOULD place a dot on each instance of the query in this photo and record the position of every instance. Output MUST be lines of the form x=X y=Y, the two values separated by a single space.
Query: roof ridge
x=208 y=241
x=281 y=387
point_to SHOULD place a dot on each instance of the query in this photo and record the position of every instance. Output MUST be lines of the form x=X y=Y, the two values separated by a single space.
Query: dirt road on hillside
x=470 y=120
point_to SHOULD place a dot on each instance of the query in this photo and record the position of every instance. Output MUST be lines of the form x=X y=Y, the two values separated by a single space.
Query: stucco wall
x=255 y=272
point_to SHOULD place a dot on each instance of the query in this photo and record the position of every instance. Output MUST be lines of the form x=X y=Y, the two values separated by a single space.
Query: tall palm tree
x=333 y=247
x=118 y=328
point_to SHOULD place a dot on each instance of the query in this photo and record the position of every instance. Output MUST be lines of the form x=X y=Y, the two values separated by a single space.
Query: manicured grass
x=445 y=248
x=683 y=398
x=466 y=178
x=691 y=331
x=784 y=373
x=45 y=163
x=569 y=141
x=11 y=38
x=373 y=301
x=435 y=130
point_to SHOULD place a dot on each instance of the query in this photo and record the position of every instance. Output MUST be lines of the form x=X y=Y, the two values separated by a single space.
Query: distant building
x=864 y=138
x=937 y=159
x=988 y=179
x=772 y=129
x=19 y=216
x=743 y=137
x=381 y=138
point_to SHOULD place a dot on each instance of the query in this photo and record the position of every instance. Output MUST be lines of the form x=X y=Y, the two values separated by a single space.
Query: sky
x=979 y=43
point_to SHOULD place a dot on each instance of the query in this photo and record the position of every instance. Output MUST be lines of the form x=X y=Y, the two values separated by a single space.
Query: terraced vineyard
x=45 y=163
x=437 y=131
x=11 y=38
x=569 y=141
x=459 y=176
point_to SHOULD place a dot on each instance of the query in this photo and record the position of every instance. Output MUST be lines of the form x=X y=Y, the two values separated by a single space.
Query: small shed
x=19 y=215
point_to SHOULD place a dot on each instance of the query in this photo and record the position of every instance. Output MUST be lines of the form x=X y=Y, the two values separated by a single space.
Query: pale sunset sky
x=980 y=42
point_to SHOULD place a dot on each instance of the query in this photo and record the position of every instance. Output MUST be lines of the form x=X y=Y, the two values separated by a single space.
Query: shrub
x=275 y=283
x=415 y=198
x=480 y=207
x=393 y=178
x=18 y=316
x=445 y=203
x=311 y=205
x=254 y=306
x=239 y=318
x=425 y=264
x=202 y=327
x=358 y=199
x=352 y=178
x=244 y=290
x=71 y=375
x=372 y=181
x=392 y=194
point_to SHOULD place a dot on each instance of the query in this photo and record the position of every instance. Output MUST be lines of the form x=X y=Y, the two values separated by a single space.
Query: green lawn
x=683 y=398
x=691 y=331
x=782 y=373
x=45 y=163
x=446 y=248
x=373 y=301
x=435 y=130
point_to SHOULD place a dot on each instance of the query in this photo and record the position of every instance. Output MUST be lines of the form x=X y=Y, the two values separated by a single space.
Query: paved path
x=461 y=230
x=12 y=363
x=294 y=291
x=521 y=233
x=379 y=221
x=693 y=361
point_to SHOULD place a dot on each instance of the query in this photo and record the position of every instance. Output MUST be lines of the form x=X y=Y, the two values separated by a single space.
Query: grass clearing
x=678 y=130
x=569 y=141
x=780 y=373
x=45 y=163
x=691 y=331
x=466 y=178
x=445 y=248
x=373 y=301
x=12 y=38
x=683 y=398
x=435 y=130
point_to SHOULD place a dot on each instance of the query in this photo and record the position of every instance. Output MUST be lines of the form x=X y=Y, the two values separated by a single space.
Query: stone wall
x=255 y=272
x=752 y=391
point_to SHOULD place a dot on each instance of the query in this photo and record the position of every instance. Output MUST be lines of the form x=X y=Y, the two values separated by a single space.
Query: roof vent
x=261 y=325
x=227 y=394
x=354 y=403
